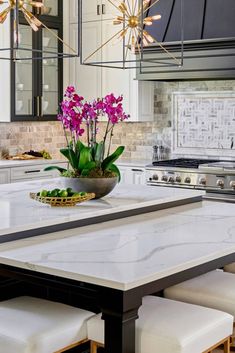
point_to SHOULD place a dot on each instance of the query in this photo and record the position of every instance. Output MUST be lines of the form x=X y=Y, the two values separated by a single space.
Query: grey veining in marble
x=132 y=252
x=20 y=213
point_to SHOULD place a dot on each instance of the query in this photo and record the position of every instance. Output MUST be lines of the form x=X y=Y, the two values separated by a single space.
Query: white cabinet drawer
x=5 y=176
x=132 y=175
x=34 y=172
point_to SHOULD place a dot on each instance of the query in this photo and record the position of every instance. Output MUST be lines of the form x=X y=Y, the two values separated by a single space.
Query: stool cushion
x=214 y=289
x=167 y=326
x=31 y=325
x=230 y=268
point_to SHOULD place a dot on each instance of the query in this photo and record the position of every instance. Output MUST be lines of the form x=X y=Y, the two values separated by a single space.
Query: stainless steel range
x=214 y=176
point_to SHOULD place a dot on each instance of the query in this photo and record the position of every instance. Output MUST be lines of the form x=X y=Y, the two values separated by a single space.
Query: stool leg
x=227 y=346
x=94 y=347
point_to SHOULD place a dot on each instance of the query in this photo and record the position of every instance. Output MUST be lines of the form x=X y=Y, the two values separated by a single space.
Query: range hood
x=209 y=39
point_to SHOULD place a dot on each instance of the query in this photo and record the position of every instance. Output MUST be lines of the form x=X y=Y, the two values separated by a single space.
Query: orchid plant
x=80 y=118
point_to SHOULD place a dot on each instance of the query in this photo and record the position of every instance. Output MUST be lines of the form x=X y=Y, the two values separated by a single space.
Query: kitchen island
x=21 y=217
x=114 y=264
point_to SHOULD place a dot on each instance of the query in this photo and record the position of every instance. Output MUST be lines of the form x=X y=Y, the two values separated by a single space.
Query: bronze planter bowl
x=99 y=186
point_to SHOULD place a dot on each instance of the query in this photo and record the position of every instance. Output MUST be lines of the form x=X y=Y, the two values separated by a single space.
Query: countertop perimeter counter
x=128 y=254
x=17 y=163
x=21 y=217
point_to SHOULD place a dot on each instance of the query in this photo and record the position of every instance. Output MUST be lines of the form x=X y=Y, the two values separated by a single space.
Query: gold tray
x=62 y=201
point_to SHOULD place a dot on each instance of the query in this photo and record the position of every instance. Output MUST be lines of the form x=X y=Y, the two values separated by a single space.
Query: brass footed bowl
x=62 y=201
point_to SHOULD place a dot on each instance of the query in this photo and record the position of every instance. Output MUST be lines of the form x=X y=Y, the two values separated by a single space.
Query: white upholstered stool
x=214 y=289
x=230 y=267
x=167 y=326
x=31 y=325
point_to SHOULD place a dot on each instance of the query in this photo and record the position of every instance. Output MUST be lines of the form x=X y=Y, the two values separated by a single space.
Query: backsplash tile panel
x=204 y=120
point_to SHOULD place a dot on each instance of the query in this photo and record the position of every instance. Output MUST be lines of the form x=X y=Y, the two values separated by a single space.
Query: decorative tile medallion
x=204 y=121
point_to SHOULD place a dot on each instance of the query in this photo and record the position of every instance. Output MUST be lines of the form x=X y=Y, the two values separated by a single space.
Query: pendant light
x=123 y=29
x=30 y=11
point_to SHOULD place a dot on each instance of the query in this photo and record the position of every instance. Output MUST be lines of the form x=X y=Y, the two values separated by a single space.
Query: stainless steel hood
x=209 y=37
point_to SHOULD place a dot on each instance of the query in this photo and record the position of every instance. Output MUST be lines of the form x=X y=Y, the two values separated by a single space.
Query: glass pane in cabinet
x=23 y=73
x=50 y=73
x=50 y=7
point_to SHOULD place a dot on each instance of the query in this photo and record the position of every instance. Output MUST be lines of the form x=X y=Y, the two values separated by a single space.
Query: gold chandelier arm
x=60 y=39
x=168 y=52
x=163 y=48
x=115 y=6
x=134 y=9
x=128 y=4
x=149 y=7
x=4 y=14
x=109 y=40
x=128 y=44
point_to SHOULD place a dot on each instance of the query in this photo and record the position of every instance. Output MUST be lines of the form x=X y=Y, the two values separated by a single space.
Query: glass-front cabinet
x=37 y=83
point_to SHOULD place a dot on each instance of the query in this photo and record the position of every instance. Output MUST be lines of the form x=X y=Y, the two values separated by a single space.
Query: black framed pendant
x=31 y=13
x=125 y=34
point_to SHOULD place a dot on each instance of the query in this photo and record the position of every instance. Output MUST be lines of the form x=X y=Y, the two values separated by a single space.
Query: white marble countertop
x=19 y=213
x=135 y=251
x=14 y=163
x=141 y=163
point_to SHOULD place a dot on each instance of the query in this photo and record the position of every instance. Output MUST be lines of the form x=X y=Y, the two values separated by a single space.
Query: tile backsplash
x=137 y=137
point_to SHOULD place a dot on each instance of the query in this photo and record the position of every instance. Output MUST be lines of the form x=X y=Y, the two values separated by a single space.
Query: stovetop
x=214 y=176
x=184 y=163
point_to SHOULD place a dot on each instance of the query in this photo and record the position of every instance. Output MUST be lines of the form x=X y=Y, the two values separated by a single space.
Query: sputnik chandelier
x=29 y=8
x=134 y=19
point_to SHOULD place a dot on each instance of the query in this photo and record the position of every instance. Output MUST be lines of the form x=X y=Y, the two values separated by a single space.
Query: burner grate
x=183 y=163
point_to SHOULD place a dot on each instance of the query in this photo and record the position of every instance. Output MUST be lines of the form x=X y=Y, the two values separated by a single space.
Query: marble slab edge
x=52 y=228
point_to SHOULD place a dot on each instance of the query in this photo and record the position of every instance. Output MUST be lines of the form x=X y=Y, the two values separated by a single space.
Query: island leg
x=120 y=331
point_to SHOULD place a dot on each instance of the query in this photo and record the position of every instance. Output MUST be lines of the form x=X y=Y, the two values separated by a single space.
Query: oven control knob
x=220 y=183
x=202 y=181
x=155 y=177
x=178 y=179
x=164 y=178
x=171 y=179
x=187 y=180
x=232 y=184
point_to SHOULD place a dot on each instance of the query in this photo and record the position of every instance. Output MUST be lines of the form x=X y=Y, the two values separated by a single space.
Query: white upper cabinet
x=86 y=79
x=93 y=82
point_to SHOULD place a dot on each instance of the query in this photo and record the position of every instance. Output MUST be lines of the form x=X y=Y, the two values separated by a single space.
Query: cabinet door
x=125 y=177
x=142 y=101
x=91 y=10
x=22 y=89
x=4 y=176
x=138 y=176
x=50 y=74
x=86 y=79
x=115 y=80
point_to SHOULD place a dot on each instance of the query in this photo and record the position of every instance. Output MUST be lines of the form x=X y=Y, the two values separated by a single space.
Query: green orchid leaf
x=71 y=156
x=93 y=150
x=112 y=158
x=113 y=168
x=79 y=147
x=99 y=152
x=54 y=167
x=91 y=165
x=84 y=158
